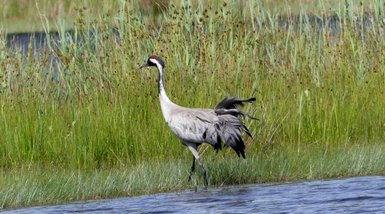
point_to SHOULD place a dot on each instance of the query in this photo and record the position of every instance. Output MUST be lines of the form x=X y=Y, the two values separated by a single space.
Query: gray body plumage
x=194 y=126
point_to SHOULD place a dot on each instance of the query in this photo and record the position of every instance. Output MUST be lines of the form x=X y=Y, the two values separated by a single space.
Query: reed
x=90 y=126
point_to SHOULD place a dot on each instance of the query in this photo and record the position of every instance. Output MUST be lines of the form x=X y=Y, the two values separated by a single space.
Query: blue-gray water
x=351 y=195
x=39 y=42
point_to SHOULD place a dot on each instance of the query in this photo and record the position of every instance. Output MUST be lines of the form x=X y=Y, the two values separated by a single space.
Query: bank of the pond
x=90 y=125
x=24 y=15
x=29 y=186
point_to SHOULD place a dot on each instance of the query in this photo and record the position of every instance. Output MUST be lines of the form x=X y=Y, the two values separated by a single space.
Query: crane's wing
x=190 y=124
x=225 y=129
x=229 y=106
x=221 y=125
x=232 y=102
x=229 y=126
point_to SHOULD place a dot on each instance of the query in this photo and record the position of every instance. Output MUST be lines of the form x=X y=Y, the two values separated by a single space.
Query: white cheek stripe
x=154 y=61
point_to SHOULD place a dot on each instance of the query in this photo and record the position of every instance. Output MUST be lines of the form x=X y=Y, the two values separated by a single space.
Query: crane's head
x=153 y=61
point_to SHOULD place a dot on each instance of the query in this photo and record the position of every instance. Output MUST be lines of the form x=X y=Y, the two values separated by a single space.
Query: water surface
x=350 y=195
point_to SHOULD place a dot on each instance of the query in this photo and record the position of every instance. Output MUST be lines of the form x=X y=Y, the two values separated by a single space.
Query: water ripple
x=351 y=195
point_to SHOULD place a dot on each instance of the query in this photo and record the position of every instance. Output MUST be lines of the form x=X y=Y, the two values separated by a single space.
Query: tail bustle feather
x=228 y=130
x=232 y=102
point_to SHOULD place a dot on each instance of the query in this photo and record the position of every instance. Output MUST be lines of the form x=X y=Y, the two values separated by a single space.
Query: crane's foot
x=193 y=149
x=189 y=177
x=203 y=172
x=204 y=176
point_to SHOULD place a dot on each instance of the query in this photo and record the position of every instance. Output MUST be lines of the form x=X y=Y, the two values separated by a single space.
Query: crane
x=194 y=126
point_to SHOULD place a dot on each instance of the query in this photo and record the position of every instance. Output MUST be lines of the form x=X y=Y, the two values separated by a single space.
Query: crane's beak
x=143 y=66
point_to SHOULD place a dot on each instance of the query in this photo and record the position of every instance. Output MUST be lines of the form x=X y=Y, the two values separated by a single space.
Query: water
x=39 y=42
x=351 y=195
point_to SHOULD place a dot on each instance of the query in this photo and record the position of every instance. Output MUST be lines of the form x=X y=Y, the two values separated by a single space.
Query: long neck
x=161 y=89
x=165 y=103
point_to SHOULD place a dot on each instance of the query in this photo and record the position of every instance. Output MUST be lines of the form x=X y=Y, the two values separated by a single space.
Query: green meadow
x=90 y=126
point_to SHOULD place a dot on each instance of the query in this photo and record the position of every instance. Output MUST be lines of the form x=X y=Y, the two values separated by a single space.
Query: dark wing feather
x=228 y=130
x=232 y=102
x=229 y=127
x=229 y=106
x=226 y=126
x=230 y=133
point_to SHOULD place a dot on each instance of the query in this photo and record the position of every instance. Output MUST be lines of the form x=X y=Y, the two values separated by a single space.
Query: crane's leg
x=193 y=149
x=192 y=169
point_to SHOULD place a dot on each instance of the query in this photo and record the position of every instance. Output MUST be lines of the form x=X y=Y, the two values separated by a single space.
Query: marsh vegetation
x=90 y=126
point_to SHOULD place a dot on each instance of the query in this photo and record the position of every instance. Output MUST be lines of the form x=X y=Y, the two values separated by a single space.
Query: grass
x=42 y=186
x=91 y=127
x=28 y=16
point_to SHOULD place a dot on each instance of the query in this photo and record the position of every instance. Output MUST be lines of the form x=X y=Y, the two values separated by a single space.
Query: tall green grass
x=95 y=112
x=34 y=186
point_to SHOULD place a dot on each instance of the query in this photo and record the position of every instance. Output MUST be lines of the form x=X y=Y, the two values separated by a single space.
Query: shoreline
x=151 y=178
x=91 y=126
